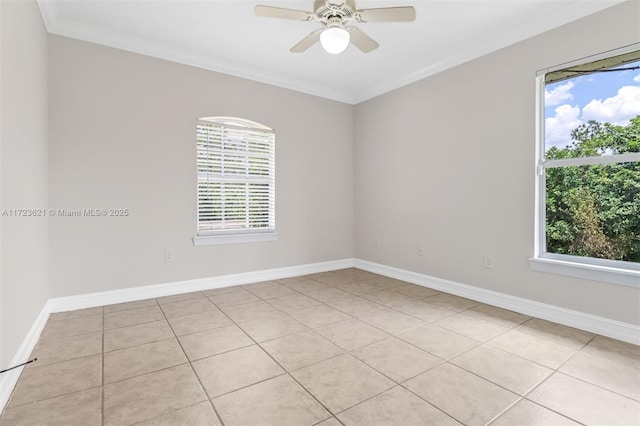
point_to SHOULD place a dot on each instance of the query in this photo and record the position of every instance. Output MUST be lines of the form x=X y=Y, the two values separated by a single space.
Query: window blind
x=236 y=177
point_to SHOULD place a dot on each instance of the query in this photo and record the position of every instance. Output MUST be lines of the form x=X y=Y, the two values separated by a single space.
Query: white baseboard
x=606 y=327
x=9 y=379
x=63 y=304
x=603 y=326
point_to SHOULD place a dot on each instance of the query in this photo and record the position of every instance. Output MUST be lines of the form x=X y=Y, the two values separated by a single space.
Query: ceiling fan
x=335 y=36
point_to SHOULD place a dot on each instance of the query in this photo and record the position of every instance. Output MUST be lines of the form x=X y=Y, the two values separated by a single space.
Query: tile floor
x=343 y=347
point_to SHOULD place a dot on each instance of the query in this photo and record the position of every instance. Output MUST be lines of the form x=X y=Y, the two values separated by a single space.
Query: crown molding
x=64 y=28
x=566 y=12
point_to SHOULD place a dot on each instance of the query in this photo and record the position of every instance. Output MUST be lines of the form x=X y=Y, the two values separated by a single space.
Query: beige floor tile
x=462 y=395
x=301 y=349
x=533 y=348
x=328 y=294
x=331 y=421
x=223 y=290
x=609 y=374
x=472 y=326
x=332 y=279
x=187 y=307
x=231 y=298
x=276 y=402
x=71 y=327
x=449 y=301
x=272 y=291
x=557 y=333
x=51 y=351
x=80 y=408
x=358 y=288
x=198 y=322
x=201 y=414
x=271 y=327
x=527 y=413
x=180 y=297
x=396 y=406
x=215 y=341
x=416 y=291
x=126 y=337
x=306 y=285
x=249 y=311
x=151 y=395
x=293 y=302
x=351 y=334
x=392 y=321
x=79 y=313
x=49 y=381
x=132 y=317
x=234 y=370
x=396 y=359
x=586 y=403
x=386 y=282
x=438 y=341
x=318 y=316
x=356 y=306
x=260 y=284
x=388 y=298
x=497 y=315
x=614 y=350
x=356 y=274
x=502 y=368
x=425 y=311
x=142 y=359
x=118 y=307
x=342 y=382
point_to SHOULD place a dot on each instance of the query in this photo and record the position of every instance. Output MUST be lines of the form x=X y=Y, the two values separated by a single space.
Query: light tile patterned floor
x=343 y=347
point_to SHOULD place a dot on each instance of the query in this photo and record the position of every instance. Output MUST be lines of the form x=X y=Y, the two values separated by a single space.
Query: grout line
x=204 y=390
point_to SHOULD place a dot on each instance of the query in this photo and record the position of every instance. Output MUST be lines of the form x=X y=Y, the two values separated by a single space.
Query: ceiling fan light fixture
x=335 y=40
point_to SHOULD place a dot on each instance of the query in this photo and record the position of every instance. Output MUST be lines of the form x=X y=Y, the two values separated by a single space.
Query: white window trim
x=607 y=271
x=205 y=238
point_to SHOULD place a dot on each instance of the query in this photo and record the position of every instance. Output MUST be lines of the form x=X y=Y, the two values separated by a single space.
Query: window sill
x=209 y=240
x=607 y=274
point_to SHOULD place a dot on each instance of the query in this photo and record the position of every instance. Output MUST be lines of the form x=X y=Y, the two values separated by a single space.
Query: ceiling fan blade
x=307 y=42
x=361 y=40
x=386 y=14
x=282 y=13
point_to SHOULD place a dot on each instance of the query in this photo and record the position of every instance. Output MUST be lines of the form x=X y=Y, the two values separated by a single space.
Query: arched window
x=236 y=181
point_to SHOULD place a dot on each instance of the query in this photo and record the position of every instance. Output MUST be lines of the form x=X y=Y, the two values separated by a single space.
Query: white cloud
x=559 y=94
x=617 y=109
x=558 y=128
x=637 y=78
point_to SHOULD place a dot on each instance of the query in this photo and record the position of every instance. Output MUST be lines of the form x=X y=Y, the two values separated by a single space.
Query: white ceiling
x=226 y=36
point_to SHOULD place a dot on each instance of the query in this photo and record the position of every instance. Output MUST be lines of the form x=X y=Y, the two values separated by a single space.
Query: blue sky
x=612 y=97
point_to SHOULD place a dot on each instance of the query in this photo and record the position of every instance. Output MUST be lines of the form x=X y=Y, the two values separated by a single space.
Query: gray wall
x=447 y=162
x=122 y=135
x=23 y=165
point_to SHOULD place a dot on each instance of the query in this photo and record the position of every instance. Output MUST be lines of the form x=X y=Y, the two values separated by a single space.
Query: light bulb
x=335 y=40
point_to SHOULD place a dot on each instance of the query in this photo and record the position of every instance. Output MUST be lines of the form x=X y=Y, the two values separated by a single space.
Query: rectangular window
x=236 y=181
x=588 y=169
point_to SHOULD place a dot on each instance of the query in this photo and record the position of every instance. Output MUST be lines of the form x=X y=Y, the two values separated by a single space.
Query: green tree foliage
x=594 y=210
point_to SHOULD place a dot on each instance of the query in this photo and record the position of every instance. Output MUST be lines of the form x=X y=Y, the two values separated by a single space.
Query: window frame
x=246 y=235
x=589 y=268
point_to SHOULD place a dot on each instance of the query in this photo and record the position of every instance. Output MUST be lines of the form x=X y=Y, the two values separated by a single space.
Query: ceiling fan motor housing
x=326 y=9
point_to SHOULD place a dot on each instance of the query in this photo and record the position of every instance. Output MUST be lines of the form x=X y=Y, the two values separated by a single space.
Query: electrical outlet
x=420 y=250
x=168 y=256
x=376 y=243
x=487 y=263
